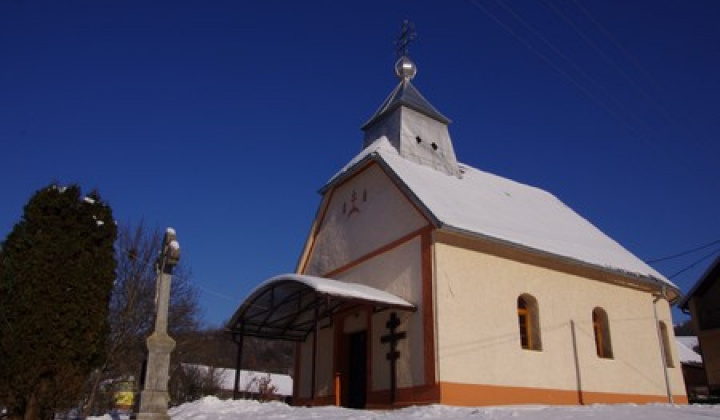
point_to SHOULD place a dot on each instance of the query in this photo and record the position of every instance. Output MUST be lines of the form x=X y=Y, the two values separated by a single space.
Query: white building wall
x=351 y=241
x=351 y=229
x=324 y=379
x=397 y=271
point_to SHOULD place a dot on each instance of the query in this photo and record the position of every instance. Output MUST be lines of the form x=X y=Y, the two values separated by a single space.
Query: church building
x=424 y=280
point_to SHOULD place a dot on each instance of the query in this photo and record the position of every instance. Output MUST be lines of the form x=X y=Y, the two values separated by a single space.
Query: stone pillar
x=154 y=397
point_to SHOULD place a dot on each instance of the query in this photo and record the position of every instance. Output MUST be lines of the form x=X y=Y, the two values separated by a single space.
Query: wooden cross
x=407 y=35
x=393 y=355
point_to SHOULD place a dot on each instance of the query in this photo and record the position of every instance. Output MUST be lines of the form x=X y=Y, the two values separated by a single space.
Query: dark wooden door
x=357 y=370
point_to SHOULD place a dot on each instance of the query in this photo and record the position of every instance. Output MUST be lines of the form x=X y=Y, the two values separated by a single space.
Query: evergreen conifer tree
x=57 y=268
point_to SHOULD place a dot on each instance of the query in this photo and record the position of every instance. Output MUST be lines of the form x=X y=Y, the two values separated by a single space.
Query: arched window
x=601 y=327
x=529 y=322
x=666 y=344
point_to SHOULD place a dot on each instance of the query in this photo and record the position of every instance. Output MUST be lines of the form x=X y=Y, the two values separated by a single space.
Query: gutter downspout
x=662 y=295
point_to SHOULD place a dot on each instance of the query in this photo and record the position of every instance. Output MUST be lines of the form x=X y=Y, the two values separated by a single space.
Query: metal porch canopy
x=289 y=306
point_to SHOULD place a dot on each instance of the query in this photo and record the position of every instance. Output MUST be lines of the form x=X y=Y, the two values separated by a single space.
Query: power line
x=574 y=65
x=213 y=292
x=636 y=125
x=695 y=263
x=578 y=30
x=683 y=253
x=683 y=129
x=635 y=131
x=203 y=289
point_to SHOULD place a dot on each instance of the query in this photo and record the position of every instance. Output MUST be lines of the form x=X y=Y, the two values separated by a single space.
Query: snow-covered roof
x=487 y=205
x=249 y=379
x=685 y=346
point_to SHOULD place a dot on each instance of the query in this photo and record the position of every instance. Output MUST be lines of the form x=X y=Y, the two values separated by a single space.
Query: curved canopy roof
x=288 y=306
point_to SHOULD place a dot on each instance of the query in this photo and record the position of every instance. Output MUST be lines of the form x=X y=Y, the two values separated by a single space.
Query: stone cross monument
x=154 y=397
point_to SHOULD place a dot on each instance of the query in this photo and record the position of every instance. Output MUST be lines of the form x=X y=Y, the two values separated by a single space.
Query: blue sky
x=222 y=119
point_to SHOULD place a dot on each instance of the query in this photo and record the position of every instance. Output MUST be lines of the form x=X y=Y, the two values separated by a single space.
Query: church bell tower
x=413 y=126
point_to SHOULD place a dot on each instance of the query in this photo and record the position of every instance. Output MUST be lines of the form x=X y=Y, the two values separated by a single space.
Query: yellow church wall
x=478 y=335
x=361 y=215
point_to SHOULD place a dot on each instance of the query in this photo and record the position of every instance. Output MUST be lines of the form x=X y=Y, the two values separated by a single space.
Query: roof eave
x=340 y=177
x=434 y=115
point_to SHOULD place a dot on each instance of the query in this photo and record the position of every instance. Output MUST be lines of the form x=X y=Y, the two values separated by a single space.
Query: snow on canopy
x=330 y=287
x=288 y=306
x=487 y=205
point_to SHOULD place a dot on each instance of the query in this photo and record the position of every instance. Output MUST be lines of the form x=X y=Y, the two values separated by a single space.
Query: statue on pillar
x=154 y=397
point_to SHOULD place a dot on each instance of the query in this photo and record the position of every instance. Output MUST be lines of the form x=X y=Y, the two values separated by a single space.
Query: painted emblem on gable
x=353 y=203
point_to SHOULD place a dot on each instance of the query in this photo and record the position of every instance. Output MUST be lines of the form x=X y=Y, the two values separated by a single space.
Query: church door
x=357 y=369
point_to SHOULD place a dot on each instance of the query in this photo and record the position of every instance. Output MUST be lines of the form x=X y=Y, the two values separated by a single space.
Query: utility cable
x=557 y=68
x=613 y=100
x=639 y=66
x=680 y=254
x=695 y=263
x=578 y=30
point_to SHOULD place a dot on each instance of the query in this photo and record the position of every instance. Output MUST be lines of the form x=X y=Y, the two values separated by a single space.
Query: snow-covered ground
x=211 y=408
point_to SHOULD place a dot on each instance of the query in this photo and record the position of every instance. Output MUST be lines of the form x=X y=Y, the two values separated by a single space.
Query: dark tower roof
x=405 y=94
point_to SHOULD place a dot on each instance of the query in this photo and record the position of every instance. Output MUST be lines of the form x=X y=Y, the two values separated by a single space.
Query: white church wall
x=397 y=271
x=364 y=214
x=478 y=335
x=324 y=378
x=304 y=369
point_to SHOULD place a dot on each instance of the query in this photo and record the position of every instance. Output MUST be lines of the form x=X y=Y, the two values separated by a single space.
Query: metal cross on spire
x=407 y=35
x=404 y=68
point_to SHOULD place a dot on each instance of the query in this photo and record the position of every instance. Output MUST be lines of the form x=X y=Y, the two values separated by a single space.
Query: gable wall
x=350 y=230
x=380 y=245
x=478 y=334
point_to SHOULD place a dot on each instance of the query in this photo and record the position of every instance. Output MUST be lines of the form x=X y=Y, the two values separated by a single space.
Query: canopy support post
x=314 y=354
x=238 y=364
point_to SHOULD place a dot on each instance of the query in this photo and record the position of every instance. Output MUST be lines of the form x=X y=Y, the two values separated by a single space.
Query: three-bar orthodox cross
x=407 y=35
x=393 y=355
